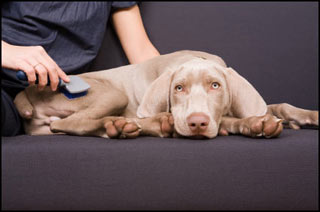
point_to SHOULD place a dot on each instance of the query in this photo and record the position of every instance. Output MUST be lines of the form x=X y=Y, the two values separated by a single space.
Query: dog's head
x=198 y=93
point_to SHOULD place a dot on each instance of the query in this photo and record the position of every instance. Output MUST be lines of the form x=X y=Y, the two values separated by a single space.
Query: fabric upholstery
x=233 y=172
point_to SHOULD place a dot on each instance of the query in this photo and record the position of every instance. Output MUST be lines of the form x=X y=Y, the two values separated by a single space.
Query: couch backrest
x=272 y=44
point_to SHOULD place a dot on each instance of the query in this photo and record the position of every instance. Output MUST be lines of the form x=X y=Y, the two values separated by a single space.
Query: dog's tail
x=23 y=105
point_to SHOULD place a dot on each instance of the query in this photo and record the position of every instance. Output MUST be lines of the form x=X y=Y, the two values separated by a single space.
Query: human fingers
x=29 y=70
x=42 y=76
x=50 y=66
x=63 y=75
x=60 y=72
x=54 y=67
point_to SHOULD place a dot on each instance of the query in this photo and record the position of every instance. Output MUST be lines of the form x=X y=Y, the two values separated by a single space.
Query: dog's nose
x=198 y=122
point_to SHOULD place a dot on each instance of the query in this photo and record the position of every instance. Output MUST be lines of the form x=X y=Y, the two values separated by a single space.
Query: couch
x=272 y=44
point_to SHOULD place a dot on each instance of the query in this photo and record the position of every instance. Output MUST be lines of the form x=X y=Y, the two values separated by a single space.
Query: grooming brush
x=76 y=88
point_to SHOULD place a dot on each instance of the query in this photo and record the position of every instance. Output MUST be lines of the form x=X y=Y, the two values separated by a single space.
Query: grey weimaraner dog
x=185 y=93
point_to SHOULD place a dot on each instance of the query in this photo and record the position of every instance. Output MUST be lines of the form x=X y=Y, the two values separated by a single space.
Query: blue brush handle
x=23 y=76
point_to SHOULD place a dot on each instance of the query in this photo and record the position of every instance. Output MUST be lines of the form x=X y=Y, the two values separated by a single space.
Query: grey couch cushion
x=233 y=172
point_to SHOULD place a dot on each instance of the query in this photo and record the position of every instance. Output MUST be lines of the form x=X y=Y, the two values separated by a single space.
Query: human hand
x=33 y=60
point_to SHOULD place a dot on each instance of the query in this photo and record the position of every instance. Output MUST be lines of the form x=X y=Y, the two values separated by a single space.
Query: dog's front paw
x=256 y=126
x=121 y=128
x=166 y=124
x=160 y=125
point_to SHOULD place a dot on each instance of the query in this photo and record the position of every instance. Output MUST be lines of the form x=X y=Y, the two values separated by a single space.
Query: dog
x=186 y=93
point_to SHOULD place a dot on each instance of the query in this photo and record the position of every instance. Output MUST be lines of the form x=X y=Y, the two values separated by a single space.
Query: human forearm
x=132 y=35
x=144 y=52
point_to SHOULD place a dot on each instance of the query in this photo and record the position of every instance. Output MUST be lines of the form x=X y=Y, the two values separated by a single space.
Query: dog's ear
x=156 y=97
x=245 y=100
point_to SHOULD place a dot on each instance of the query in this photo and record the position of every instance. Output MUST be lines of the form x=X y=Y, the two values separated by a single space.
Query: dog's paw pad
x=130 y=127
x=111 y=129
x=130 y=130
x=119 y=124
x=223 y=132
x=122 y=128
x=166 y=125
x=257 y=126
x=272 y=127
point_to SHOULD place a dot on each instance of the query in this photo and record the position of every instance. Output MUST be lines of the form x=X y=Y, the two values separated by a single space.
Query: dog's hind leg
x=107 y=127
x=91 y=121
x=23 y=105
x=160 y=125
x=294 y=117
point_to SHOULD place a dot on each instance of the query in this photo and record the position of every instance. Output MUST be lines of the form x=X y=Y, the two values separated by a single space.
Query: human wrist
x=5 y=58
x=145 y=54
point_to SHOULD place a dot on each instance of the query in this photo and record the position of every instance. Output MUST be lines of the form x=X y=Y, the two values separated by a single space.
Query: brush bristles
x=72 y=95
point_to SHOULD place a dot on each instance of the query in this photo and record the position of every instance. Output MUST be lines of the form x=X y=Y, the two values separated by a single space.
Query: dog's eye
x=179 y=88
x=215 y=85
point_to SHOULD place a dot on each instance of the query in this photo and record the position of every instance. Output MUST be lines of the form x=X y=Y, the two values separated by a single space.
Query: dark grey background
x=272 y=44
